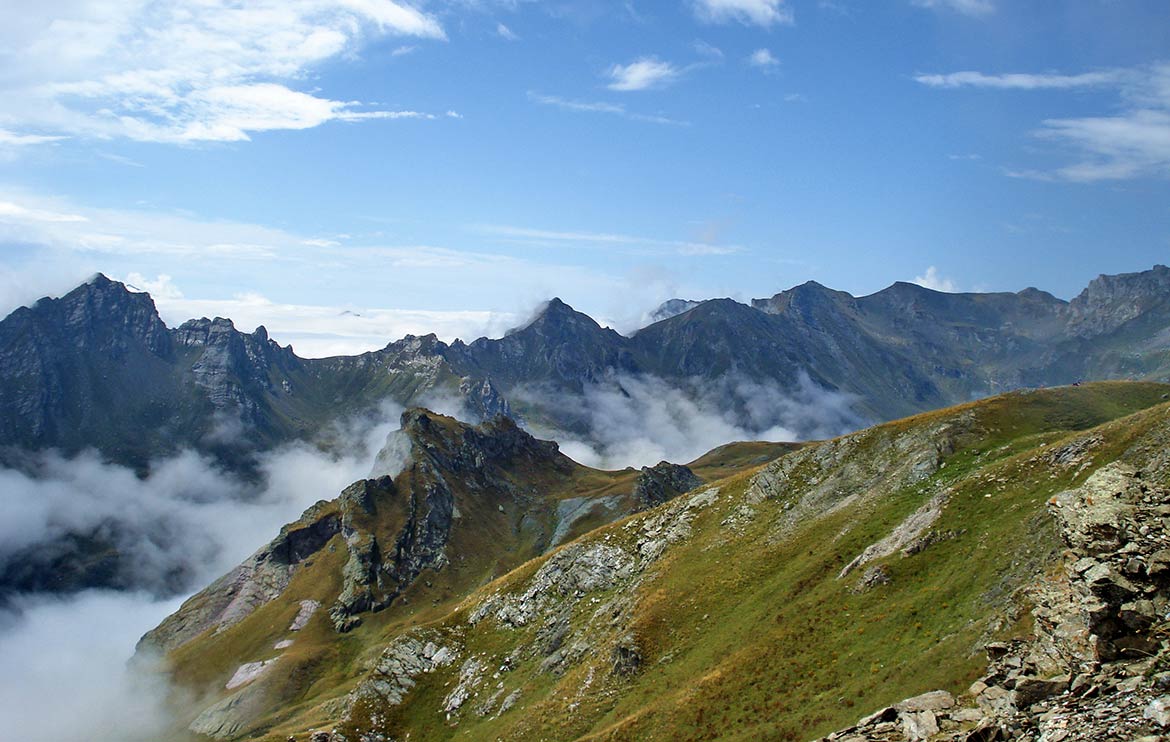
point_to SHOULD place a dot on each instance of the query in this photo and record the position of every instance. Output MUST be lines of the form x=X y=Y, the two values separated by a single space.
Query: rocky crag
x=1097 y=665
x=471 y=503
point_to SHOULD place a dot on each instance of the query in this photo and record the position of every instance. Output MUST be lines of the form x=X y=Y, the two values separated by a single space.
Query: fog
x=640 y=420
x=63 y=673
x=65 y=677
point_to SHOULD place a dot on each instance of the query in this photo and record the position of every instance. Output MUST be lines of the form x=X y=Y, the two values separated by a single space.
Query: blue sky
x=349 y=170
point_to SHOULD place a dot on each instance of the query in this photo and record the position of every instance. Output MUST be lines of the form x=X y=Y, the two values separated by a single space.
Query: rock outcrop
x=661 y=482
x=1097 y=667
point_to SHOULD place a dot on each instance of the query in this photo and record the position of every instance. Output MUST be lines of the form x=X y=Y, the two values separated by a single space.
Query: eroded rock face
x=1098 y=665
x=260 y=579
x=661 y=482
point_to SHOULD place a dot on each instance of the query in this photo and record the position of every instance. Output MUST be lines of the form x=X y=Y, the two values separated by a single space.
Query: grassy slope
x=744 y=635
x=323 y=665
x=750 y=637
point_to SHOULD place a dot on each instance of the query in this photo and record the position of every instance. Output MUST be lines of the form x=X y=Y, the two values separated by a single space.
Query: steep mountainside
x=98 y=368
x=780 y=602
x=472 y=503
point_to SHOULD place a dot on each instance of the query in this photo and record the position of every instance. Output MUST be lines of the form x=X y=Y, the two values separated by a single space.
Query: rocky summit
x=992 y=571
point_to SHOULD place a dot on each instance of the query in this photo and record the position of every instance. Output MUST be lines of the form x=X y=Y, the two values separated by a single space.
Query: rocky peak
x=804 y=299
x=103 y=315
x=1108 y=302
x=428 y=344
x=557 y=319
x=458 y=447
x=671 y=308
x=661 y=482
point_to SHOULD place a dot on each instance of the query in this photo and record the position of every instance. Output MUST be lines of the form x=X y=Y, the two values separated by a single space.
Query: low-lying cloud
x=187 y=521
x=65 y=677
x=628 y=420
x=176 y=529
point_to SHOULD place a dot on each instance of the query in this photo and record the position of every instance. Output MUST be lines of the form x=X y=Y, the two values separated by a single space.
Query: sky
x=347 y=171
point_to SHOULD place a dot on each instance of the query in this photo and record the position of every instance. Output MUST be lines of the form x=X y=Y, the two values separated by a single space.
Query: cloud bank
x=63 y=659
x=641 y=420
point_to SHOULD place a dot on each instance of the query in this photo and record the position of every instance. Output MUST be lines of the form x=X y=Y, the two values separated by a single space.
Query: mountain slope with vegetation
x=781 y=601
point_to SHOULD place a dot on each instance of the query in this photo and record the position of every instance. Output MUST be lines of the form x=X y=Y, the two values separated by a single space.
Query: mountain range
x=97 y=368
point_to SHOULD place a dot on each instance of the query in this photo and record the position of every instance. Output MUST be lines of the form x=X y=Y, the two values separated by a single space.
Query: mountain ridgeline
x=98 y=368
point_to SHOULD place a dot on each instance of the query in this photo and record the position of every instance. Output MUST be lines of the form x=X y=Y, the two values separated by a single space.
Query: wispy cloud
x=1018 y=81
x=707 y=50
x=973 y=8
x=1131 y=142
x=763 y=59
x=506 y=33
x=642 y=74
x=766 y=13
x=605 y=239
x=11 y=139
x=169 y=71
x=617 y=109
x=317 y=331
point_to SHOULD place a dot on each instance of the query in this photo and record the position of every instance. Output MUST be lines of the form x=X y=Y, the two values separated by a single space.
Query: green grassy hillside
x=779 y=602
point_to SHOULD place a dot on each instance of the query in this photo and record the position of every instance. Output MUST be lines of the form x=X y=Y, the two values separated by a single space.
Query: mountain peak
x=556 y=318
x=456 y=446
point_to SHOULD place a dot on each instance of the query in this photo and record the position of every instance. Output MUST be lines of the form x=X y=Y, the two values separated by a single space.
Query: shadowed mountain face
x=98 y=368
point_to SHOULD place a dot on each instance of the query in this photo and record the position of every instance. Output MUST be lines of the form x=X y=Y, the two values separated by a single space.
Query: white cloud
x=973 y=8
x=617 y=109
x=1018 y=81
x=12 y=212
x=1132 y=142
x=764 y=13
x=642 y=244
x=1130 y=145
x=933 y=280
x=764 y=59
x=46 y=659
x=642 y=74
x=12 y=139
x=170 y=71
x=641 y=420
x=317 y=331
x=707 y=50
x=162 y=288
x=506 y=33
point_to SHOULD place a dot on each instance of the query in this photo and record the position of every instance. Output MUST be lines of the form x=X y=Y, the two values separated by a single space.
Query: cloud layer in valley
x=639 y=421
x=180 y=527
